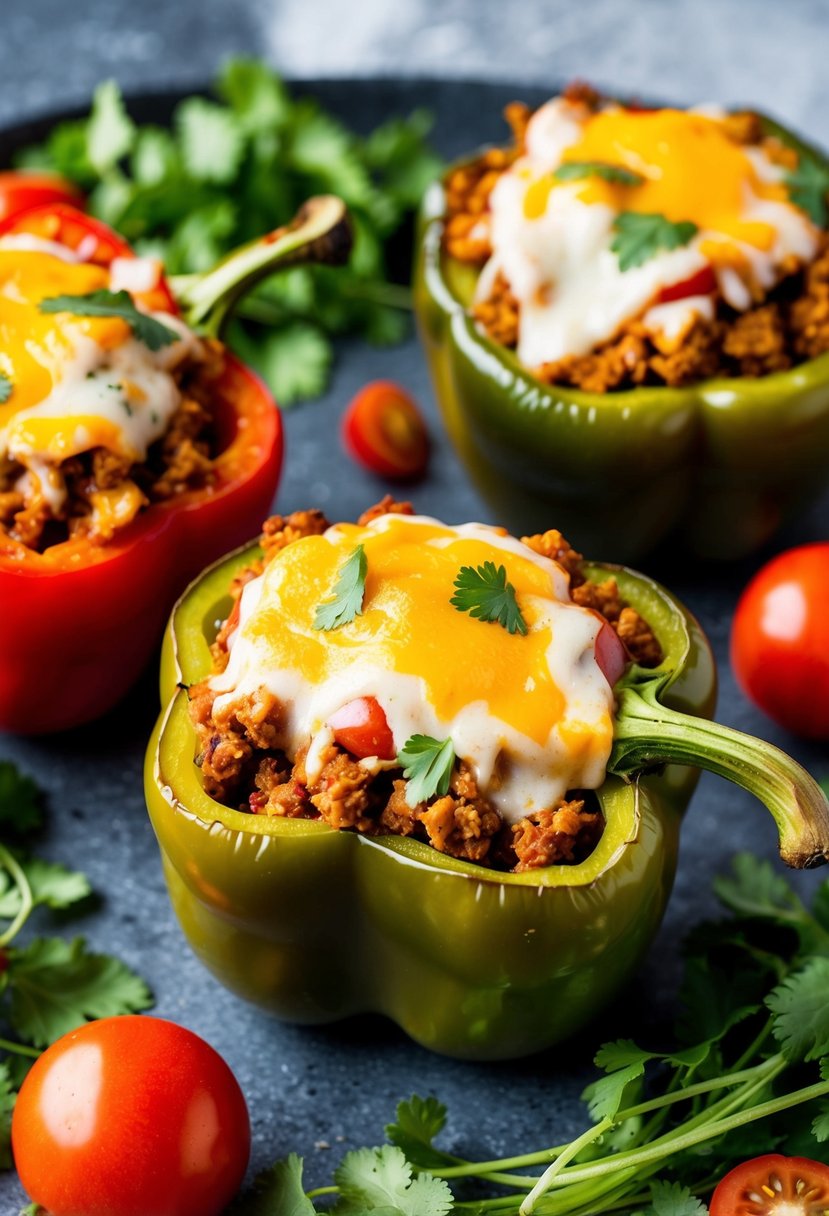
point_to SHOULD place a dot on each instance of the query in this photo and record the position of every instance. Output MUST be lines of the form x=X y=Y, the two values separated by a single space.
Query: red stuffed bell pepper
x=133 y=450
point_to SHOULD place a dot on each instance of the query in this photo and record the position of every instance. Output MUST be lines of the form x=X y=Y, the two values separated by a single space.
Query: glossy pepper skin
x=316 y=924
x=81 y=619
x=719 y=465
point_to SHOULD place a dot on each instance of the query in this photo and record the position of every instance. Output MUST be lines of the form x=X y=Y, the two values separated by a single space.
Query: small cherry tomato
x=383 y=429
x=773 y=1186
x=361 y=728
x=131 y=1116
x=611 y=654
x=703 y=283
x=20 y=190
x=780 y=640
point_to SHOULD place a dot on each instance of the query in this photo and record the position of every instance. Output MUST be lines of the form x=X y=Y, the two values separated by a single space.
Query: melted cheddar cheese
x=77 y=383
x=531 y=714
x=552 y=238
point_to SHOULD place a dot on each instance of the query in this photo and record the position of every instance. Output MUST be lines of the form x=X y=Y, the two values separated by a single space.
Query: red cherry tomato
x=131 y=1116
x=780 y=640
x=703 y=283
x=773 y=1186
x=20 y=190
x=383 y=429
x=611 y=654
x=361 y=728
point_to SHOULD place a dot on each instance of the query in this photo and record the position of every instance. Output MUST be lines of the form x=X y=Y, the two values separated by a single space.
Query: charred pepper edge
x=186 y=659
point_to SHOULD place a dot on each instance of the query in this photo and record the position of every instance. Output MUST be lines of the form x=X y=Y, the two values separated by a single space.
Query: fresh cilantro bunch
x=48 y=985
x=230 y=169
x=748 y=1072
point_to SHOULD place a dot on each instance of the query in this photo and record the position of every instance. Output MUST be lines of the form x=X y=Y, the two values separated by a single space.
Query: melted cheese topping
x=552 y=239
x=531 y=714
x=77 y=382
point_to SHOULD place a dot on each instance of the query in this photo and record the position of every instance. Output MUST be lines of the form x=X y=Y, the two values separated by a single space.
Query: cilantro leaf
x=380 y=1180
x=210 y=138
x=276 y=1192
x=418 y=1121
x=19 y=800
x=255 y=93
x=294 y=360
x=6 y=388
x=427 y=765
x=808 y=186
x=110 y=133
x=606 y=1096
x=349 y=590
x=801 y=1011
x=52 y=885
x=620 y=1054
x=820 y=1124
x=57 y=985
x=639 y=236
x=486 y=595
x=114 y=304
x=7 y=1097
x=756 y=889
x=673 y=1199
x=576 y=170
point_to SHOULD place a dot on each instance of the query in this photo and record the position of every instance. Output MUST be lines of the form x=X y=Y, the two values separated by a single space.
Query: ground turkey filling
x=242 y=768
x=786 y=326
x=181 y=460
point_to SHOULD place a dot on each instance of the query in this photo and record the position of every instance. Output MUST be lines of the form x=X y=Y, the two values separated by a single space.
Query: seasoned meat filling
x=243 y=766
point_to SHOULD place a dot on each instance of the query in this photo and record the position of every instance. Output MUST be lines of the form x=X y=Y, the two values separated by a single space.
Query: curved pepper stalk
x=649 y=733
x=320 y=232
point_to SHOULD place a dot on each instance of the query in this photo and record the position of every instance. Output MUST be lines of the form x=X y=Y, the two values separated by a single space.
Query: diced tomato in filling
x=361 y=728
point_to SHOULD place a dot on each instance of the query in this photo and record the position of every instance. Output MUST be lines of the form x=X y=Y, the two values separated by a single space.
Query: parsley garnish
x=575 y=170
x=6 y=387
x=349 y=590
x=114 y=304
x=486 y=595
x=427 y=766
x=641 y=235
x=808 y=187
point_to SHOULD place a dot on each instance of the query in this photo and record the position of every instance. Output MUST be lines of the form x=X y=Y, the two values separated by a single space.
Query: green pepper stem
x=648 y=733
x=320 y=232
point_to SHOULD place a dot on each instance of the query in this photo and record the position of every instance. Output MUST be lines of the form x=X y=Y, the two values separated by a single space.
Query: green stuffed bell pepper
x=316 y=924
x=711 y=422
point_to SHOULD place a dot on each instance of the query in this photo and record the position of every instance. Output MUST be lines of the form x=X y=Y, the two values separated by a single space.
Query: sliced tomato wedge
x=362 y=729
x=773 y=1186
x=384 y=430
x=611 y=653
x=703 y=283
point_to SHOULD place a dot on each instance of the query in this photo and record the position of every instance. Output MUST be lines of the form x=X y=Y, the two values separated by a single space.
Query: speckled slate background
x=339 y=1085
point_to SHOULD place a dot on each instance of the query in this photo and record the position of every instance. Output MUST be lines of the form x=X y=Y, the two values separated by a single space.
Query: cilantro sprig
x=349 y=591
x=748 y=1071
x=808 y=186
x=484 y=593
x=640 y=235
x=229 y=169
x=427 y=765
x=50 y=985
x=577 y=170
x=118 y=304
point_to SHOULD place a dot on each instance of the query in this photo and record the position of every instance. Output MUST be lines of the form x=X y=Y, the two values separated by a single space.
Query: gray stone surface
x=339 y=1085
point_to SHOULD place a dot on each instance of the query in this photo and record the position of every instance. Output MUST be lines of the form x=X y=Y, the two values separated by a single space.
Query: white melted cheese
x=519 y=774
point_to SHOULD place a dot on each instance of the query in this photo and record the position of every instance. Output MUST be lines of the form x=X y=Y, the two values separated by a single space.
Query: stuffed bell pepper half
x=134 y=447
x=437 y=773
x=626 y=316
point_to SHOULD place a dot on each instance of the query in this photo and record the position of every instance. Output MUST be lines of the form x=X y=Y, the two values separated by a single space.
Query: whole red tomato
x=773 y=1186
x=20 y=189
x=131 y=1116
x=780 y=640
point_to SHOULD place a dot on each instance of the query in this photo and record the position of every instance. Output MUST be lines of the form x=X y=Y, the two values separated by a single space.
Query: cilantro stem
x=19 y=1049
x=320 y=232
x=9 y=862
x=323 y=1190
x=690 y=1091
x=553 y=1171
x=648 y=733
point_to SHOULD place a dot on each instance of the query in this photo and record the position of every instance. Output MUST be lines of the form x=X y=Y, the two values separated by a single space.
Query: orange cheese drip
x=692 y=171
x=35 y=346
x=409 y=626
